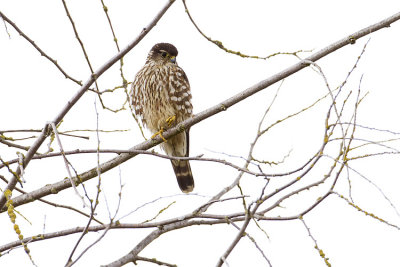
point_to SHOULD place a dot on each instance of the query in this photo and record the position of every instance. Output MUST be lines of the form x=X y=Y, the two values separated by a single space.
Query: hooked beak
x=173 y=59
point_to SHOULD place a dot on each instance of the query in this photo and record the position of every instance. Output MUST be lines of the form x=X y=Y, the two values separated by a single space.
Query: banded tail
x=183 y=175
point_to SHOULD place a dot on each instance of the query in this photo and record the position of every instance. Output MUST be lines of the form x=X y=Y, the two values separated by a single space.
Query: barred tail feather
x=183 y=175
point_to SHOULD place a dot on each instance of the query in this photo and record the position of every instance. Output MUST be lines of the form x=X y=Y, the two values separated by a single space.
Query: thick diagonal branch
x=104 y=167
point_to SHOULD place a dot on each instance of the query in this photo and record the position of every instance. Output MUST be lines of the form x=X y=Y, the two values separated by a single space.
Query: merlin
x=161 y=98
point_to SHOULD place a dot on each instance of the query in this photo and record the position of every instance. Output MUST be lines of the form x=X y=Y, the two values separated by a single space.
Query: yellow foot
x=160 y=134
x=170 y=120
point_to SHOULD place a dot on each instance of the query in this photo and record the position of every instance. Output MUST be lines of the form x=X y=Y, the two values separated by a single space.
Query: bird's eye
x=164 y=54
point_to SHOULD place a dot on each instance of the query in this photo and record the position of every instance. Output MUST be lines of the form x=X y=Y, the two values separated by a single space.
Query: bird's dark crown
x=161 y=47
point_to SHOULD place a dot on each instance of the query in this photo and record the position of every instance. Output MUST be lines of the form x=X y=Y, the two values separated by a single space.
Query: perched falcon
x=161 y=97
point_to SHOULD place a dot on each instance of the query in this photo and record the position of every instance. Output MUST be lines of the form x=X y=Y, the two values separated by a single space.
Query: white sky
x=33 y=91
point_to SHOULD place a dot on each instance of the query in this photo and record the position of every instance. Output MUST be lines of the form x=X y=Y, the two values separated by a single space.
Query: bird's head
x=163 y=53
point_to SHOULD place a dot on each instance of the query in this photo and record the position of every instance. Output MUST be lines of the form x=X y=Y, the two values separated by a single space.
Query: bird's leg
x=170 y=120
x=160 y=134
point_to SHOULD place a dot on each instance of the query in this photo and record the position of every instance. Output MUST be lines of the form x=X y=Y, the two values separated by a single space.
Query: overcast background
x=33 y=91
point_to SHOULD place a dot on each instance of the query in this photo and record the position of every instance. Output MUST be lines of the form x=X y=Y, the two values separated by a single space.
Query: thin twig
x=78 y=38
x=66 y=162
x=42 y=53
x=161 y=263
x=93 y=204
x=10 y=144
x=321 y=253
x=221 y=46
x=255 y=244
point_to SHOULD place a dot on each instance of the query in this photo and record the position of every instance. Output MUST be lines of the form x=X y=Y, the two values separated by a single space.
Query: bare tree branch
x=188 y=123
